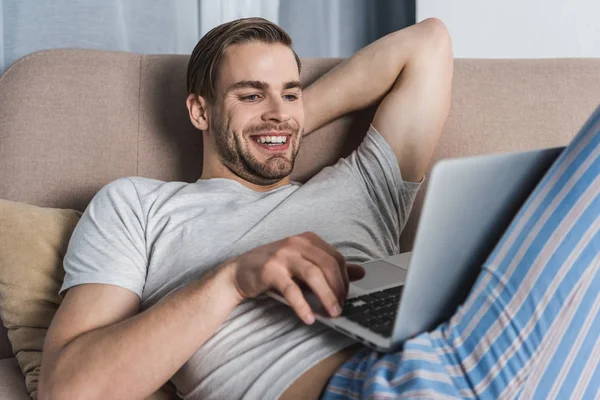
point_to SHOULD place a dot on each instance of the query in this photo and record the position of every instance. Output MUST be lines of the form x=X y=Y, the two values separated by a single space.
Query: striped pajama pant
x=530 y=327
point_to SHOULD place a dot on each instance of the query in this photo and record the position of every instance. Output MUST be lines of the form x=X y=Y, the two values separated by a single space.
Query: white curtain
x=144 y=26
x=319 y=28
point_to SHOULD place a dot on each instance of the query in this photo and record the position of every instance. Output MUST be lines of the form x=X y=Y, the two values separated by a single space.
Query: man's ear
x=197 y=109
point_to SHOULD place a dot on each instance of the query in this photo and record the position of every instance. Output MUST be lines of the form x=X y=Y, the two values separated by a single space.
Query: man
x=244 y=87
x=165 y=280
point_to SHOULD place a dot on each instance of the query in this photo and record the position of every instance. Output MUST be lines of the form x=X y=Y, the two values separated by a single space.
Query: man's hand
x=306 y=258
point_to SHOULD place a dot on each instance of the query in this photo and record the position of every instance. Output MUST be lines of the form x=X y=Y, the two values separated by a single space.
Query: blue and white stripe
x=530 y=327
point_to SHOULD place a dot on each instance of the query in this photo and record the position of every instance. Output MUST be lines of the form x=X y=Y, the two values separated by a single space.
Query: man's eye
x=250 y=97
x=290 y=97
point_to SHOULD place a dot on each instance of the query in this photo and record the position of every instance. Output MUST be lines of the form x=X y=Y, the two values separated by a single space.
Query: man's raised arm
x=411 y=71
x=365 y=78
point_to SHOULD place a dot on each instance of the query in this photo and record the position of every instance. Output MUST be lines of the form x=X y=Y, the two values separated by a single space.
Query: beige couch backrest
x=73 y=120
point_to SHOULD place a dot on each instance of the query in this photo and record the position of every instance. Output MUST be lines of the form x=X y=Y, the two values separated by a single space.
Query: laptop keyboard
x=375 y=311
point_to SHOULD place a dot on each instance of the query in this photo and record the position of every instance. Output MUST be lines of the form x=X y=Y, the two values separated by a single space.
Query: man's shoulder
x=140 y=185
x=136 y=189
x=127 y=186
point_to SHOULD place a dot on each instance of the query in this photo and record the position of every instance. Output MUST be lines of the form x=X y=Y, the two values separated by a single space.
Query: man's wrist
x=217 y=287
x=225 y=274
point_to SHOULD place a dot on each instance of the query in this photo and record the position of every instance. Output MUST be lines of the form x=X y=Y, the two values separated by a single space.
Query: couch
x=73 y=120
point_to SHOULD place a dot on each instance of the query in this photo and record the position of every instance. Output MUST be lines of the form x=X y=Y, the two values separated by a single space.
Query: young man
x=166 y=279
x=205 y=249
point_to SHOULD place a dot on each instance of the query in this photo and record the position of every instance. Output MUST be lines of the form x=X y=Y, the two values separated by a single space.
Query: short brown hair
x=206 y=57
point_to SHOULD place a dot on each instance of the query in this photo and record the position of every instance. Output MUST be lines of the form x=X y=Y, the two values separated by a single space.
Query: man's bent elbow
x=437 y=36
x=436 y=27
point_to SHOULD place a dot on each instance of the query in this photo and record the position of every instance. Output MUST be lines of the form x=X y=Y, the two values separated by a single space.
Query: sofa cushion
x=33 y=241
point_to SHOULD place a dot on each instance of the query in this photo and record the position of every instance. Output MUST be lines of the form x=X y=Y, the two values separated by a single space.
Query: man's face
x=258 y=96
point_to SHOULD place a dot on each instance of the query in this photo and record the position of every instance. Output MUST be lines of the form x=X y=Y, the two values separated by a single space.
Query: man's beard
x=234 y=151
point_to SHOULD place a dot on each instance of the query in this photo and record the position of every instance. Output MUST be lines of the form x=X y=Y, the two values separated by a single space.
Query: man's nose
x=276 y=111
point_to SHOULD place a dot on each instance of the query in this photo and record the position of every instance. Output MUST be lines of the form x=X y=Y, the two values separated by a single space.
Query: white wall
x=518 y=28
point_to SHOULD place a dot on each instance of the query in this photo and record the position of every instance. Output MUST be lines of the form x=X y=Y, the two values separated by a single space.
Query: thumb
x=355 y=272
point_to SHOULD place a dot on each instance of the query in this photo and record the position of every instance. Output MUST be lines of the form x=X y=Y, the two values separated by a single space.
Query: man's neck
x=257 y=188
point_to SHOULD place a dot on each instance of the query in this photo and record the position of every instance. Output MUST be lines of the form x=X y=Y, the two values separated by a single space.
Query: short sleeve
x=108 y=244
x=376 y=167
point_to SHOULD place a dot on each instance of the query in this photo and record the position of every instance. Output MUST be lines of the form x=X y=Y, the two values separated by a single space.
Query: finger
x=292 y=293
x=317 y=241
x=355 y=272
x=345 y=279
x=314 y=278
x=330 y=268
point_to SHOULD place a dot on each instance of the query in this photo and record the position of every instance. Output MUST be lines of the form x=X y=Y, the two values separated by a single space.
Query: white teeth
x=272 y=139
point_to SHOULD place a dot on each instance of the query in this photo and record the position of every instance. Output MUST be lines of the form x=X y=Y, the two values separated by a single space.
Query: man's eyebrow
x=248 y=85
x=260 y=85
x=292 y=85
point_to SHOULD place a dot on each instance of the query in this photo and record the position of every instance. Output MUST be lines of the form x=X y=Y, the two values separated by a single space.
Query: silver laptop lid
x=469 y=204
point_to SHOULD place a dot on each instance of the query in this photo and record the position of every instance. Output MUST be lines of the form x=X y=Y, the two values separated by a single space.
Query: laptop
x=469 y=204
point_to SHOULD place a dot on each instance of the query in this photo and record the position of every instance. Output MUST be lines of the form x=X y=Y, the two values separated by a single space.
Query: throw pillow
x=33 y=242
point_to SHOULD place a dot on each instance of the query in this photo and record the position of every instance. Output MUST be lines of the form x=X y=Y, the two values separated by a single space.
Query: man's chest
x=184 y=242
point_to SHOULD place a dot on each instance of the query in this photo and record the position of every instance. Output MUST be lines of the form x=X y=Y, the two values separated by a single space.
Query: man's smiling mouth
x=272 y=142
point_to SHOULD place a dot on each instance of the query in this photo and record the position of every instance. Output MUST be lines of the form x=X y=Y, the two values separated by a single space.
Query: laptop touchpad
x=380 y=274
